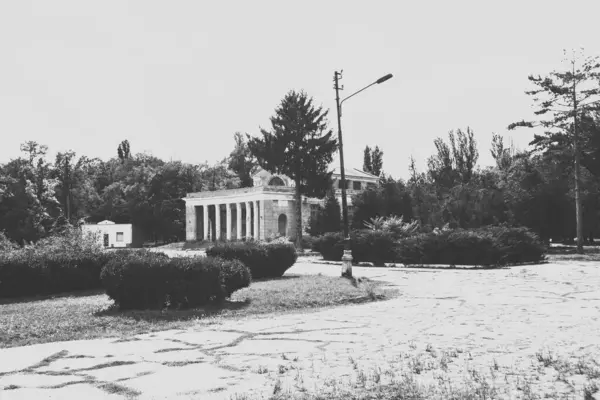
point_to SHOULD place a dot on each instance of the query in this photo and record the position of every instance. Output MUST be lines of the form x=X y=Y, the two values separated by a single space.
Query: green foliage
x=6 y=244
x=68 y=262
x=330 y=245
x=390 y=198
x=485 y=246
x=373 y=161
x=327 y=218
x=145 y=280
x=265 y=260
x=367 y=162
x=300 y=146
x=376 y=246
x=394 y=225
x=241 y=161
x=455 y=161
x=492 y=245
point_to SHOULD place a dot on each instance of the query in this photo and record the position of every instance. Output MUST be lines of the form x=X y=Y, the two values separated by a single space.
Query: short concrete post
x=347 y=264
x=347 y=260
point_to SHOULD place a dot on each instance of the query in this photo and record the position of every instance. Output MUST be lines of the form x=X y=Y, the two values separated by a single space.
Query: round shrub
x=330 y=245
x=516 y=244
x=265 y=260
x=372 y=246
x=144 y=280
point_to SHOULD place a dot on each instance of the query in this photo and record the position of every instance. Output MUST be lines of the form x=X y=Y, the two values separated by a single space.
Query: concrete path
x=446 y=324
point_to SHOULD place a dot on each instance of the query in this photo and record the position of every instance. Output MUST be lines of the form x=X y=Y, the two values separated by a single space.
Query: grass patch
x=92 y=314
x=393 y=381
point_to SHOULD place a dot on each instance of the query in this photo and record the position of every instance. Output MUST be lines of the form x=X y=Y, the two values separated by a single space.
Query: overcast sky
x=179 y=78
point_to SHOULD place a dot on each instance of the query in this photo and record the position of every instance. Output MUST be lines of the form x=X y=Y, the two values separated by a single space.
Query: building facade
x=259 y=212
x=114 y=235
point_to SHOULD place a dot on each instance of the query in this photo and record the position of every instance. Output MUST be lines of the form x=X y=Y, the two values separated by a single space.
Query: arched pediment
x=265 y=178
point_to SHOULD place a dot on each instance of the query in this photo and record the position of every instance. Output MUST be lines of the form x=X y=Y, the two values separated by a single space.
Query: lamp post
x=347 y=258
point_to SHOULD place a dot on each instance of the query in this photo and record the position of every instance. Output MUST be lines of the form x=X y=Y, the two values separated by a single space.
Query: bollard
x=347 y=264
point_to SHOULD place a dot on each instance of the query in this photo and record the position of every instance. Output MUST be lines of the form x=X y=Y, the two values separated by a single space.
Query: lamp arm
x=354 y=94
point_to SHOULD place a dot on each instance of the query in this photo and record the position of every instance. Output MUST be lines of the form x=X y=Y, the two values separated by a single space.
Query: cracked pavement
x=453 y=319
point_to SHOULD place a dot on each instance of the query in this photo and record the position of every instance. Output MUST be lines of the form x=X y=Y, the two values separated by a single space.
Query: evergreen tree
x=376 y=161
x=300 y=146
x=565 y=96
x=367 y=162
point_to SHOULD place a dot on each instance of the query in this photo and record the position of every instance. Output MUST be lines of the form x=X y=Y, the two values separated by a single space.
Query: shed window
x=119 y=236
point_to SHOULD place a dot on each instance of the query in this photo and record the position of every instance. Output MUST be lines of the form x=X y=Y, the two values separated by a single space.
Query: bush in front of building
x=149 y=281
x=265 y=260
x=61 y=263
x=330 y=245
x=376 y=247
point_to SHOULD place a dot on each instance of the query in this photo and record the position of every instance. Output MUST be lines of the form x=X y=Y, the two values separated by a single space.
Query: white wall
x=111 y=230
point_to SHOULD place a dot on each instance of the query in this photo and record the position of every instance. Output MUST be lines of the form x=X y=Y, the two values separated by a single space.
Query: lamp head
x=384 y=78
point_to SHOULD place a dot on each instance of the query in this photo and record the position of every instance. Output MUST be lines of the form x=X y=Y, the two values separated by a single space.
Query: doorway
x=282 y=225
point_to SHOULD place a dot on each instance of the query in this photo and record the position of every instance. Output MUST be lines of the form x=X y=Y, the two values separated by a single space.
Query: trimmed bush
x=265 y=260
x=372 y=246
x=330 y=245
x=67 y=262
x=492 y=245
x=517 y=244
x=484 y=246
x=141 y=280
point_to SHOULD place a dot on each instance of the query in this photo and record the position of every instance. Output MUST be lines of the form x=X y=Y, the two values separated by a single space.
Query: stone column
x=256 y=233
x=205 y=223
x=261 y=213
x=228 y=213
x=238 y=221
x=190 y=222
x=248 y=221
x=217 y=222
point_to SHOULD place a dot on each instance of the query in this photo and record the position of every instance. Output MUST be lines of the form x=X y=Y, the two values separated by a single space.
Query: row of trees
x=541 y=188
x=39 y=197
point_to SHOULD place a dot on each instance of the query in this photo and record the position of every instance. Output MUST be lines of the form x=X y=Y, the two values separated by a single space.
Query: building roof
x=350 y=172
x=354 y=172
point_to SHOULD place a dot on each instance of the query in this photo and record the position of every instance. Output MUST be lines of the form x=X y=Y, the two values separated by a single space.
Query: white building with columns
x=258 y=212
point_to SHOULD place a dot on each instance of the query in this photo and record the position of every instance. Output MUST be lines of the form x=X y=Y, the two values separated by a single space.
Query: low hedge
x=265 y=260
x=150 y=281
x=28 y=272
x=491 y=245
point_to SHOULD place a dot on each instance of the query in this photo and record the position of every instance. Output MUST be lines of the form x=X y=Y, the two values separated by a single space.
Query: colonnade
x=233 y=226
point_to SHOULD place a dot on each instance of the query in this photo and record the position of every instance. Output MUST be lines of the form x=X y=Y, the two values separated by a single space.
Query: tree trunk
x=298 y=197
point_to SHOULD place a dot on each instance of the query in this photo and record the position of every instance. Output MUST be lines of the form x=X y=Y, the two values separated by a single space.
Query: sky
x=178 y=78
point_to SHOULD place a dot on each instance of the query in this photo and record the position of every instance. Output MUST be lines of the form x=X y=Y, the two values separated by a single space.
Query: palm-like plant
x=394 y=225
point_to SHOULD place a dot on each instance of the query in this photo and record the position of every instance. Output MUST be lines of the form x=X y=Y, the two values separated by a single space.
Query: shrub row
x=492 y=245
x=29 y=272
x=51 y=269
x=265 y=260
x=145 y=280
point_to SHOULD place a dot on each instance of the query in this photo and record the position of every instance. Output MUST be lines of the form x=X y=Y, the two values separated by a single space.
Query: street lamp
x=347 y=258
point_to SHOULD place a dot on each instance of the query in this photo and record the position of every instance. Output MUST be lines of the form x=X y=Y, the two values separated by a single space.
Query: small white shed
x=113 y=235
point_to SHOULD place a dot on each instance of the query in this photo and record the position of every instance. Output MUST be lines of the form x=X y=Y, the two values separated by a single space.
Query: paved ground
x=455 y=323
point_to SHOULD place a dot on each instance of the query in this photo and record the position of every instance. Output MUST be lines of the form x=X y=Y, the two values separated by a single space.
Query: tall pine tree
x=565 y=96
x=367 y=163
x=299 y=145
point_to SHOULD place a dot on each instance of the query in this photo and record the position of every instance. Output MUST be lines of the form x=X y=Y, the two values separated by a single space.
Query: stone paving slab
x=455 y=321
